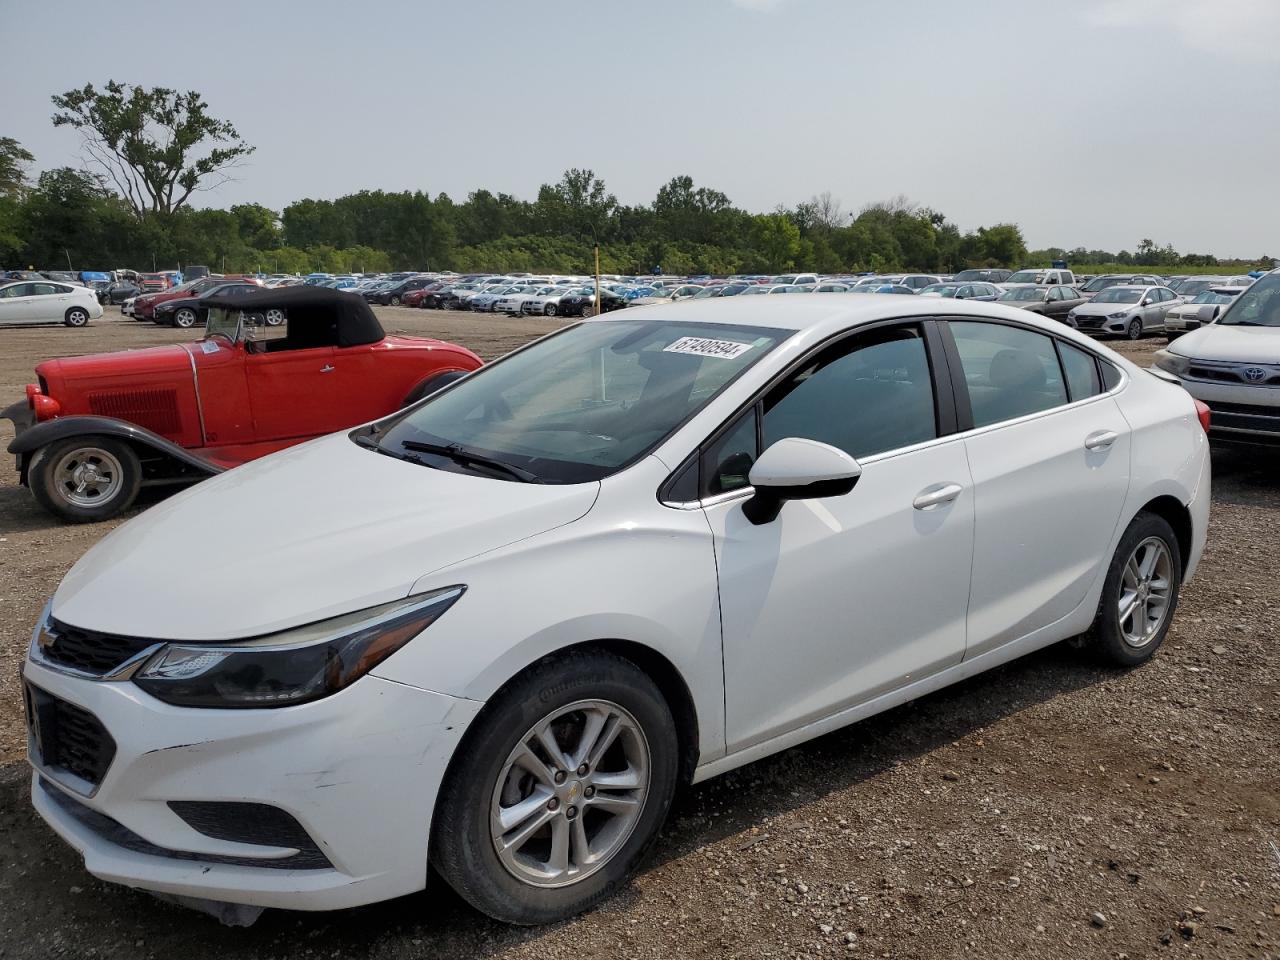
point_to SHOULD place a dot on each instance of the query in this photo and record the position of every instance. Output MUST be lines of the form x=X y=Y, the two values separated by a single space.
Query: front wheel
x=1135 y=330
x=76 y=317
x=549 y=310
x=1140 y=593
x=85 y=479
x=558 y=789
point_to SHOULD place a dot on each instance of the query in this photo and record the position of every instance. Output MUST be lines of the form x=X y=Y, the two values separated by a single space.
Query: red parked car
x=94 y=430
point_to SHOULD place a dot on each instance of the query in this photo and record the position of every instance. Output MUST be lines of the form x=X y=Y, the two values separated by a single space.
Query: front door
x=1050 y=461
x=291 y=393
x=843 y=598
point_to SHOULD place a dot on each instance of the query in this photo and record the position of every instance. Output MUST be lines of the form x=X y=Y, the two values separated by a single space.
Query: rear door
x=1049 y=454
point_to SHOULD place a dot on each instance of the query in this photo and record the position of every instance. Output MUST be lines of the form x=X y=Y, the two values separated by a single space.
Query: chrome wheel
x=88 y=476
x=570 y=793
x=1145 y=587
x=184 y=318
x=275 y=317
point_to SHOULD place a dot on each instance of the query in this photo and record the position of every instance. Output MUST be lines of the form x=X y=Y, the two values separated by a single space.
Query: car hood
x=130 y=363
x=1230 y=343
x=1094 y=309
x=312 y=532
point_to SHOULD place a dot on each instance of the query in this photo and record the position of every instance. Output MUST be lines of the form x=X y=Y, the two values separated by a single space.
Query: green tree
x=775 y=241
x=156 y=146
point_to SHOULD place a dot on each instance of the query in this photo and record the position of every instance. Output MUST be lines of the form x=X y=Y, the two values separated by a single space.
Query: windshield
x=1192 y=287
x=222 y=322
x=941 y=289
x=1259 y=306
x=964 y=275
x=581 y=404
x=1027 y=276
x=1024 y=293
x=1101 y=283
x=1118 y=295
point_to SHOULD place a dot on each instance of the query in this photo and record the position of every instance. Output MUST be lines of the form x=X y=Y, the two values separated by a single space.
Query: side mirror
x=798 y=469
x=1147 y=301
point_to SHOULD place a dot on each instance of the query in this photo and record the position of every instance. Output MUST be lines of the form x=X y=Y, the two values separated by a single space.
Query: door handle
x=327 y=368
x=1100 y=440
x=932 y=497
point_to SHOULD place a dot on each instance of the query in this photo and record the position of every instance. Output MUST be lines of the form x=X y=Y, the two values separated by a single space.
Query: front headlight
x=1179 y=366
x=1118 y=316
x=295 y=666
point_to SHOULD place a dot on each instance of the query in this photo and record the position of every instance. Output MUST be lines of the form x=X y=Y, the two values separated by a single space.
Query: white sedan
x=44 y=301
x=636 y=553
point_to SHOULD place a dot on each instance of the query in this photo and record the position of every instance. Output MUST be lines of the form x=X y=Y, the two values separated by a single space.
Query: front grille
x=88 y=650
x=67 y=738
x=155 y=410
x=117 y=833
x=1271 y=376
x=1089 y=323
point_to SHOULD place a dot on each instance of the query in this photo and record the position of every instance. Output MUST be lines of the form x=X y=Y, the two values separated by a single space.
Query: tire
x=567 y=688
x=1115 y=638
x=588 y=312
x=549 y=310
x=431 y=384
x=76 y=317
x=274 y=317
x=394 y=301
x=185 y=318
x=53 y=468
x=1134 y=331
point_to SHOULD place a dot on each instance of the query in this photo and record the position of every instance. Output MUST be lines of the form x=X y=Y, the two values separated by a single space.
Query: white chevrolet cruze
x=494 y=632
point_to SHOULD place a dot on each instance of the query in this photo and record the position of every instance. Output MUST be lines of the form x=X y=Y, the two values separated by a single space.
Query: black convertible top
x=315 y=314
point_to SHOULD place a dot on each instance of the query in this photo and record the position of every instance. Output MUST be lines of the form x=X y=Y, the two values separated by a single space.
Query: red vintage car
x=94 y=430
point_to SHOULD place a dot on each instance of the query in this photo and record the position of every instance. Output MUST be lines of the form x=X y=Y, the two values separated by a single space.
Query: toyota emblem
x=1254 y=374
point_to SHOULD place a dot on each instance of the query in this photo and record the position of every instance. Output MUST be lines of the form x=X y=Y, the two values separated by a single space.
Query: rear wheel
x=1140 y=594
x=395 y=300
x=274 y=317
x=558 y=790
x=588 y=311
x=76 y=317
x=84 y=479
x=432 y=384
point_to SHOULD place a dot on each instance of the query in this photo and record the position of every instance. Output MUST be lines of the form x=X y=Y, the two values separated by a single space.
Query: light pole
x=596 y=240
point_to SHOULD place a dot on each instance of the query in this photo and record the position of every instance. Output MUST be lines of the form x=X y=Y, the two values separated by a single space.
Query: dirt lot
x=990 y=820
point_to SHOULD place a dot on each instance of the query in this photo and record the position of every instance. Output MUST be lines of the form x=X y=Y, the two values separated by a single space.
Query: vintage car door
x=292 y=393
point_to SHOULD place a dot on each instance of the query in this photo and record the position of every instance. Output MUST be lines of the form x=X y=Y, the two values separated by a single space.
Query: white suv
x=1233 y=365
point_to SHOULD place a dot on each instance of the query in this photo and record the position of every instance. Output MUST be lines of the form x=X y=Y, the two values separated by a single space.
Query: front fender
x=34 y=437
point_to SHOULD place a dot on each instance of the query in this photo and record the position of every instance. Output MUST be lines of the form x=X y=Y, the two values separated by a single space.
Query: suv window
x=865 y=396
x=1010 y=372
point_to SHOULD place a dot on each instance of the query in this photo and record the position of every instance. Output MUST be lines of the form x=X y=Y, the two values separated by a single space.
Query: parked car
x=1192 y=287
x=1201 y=311
x=188 y=312
x=984 y=275
x=153 y=282
x=548 y=304
x=1096 y=285
x=962 y=291
x=580 y=302
x=393 y=295
x=195 y=272
x=95 y=429
x=791 y=279
x=1233 y=365
x=144 y=305
x=43 y=301
x=881 y=287
x=504 y=626
x=1131 y=312
x=1056 y=302
x=122 y=290
x=1036 y=278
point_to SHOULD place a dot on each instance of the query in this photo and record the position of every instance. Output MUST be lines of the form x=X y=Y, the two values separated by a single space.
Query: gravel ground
x=1050 y=808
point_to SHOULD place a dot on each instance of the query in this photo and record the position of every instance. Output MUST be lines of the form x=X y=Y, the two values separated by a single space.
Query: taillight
x=1203 y=412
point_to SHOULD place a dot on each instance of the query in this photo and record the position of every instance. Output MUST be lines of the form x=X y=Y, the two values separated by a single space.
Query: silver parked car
x=1131 y=312
x=1201 y=311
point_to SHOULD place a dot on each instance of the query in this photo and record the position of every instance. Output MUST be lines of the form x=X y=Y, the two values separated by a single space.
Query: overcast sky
x=1087 y=122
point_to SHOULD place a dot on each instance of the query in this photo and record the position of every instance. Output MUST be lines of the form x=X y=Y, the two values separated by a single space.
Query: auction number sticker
x=209 y=346
x=704 y=347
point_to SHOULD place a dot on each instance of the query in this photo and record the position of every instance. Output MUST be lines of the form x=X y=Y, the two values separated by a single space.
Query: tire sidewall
x=1107 y=637
x=462 y=848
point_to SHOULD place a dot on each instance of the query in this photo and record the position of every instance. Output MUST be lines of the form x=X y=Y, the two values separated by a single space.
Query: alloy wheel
x=274 y=317
x=88 y=476
x=1145 y=587
x=570 y=793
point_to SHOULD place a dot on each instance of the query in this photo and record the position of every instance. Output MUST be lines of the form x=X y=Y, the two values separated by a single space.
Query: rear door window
x=1009 y=372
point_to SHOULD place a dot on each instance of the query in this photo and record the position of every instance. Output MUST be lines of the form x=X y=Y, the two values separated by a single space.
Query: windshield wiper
x=460 y=454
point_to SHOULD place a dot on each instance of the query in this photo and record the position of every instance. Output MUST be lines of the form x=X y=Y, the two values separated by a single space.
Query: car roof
x=825 y=314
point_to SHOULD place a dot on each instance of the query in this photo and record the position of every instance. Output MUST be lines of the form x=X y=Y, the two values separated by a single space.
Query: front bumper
x=1238 y=412
x=359 y=771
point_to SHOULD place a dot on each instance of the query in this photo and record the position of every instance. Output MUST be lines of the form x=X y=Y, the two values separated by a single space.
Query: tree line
x=148 y=151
